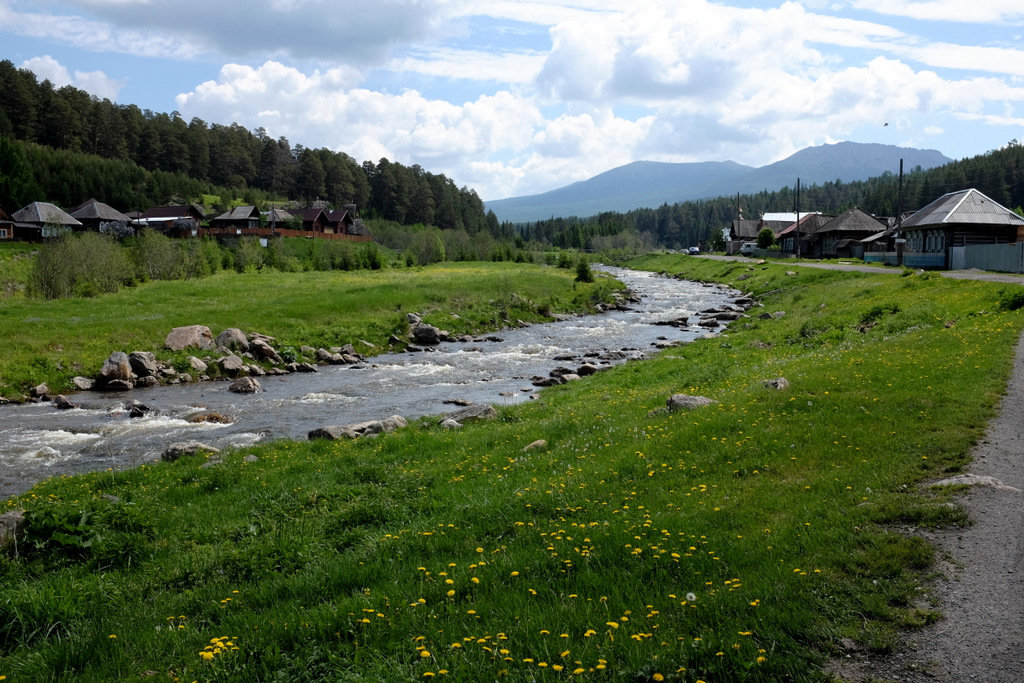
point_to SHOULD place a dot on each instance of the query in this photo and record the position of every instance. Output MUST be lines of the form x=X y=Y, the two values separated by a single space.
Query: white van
x=747 y=248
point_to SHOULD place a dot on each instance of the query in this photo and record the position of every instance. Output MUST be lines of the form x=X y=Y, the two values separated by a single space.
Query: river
x=38 y=441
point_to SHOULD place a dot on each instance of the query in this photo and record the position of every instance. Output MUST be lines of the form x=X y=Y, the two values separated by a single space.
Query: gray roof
x=42 y=213
x=853 y=220
x=239 y=213
x=96 y=210
x=964 y=207
x=279 y=216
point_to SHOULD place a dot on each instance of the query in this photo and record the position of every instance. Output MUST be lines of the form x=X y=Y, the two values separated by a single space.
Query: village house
x=99 y=217
x=313 y=220
x=797 y=237
x=954 y=223
x=41 y=220
x=238 y=218
x=841 y=237
x=177 y=220
x=6 y=226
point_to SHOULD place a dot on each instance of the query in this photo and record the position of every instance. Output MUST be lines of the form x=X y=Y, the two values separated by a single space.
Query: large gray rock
x=39 y=391
x=191 y=336
x=677 y=402
x=354 y=431
x=473 y=412
x=231 y=365
x=261 y=348
x=143 y=363
x=184 y=448
x=61 y=402
x=425 y=333
x=197 y=365
x=244 y=385
x=234 y=339
x=779 y=384
x=83 y=383
x=116 y=367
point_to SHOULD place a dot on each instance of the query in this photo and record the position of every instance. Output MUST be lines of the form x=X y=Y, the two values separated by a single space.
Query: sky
x=512 y=97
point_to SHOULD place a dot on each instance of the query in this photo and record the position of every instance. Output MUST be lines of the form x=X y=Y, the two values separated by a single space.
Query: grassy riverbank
x=52 y=341
x=738 y=542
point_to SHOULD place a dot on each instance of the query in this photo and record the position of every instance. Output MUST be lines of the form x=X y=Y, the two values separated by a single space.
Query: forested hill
x=134 y=158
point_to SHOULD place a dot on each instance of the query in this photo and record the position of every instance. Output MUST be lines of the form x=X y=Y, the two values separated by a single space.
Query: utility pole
x=799 y=247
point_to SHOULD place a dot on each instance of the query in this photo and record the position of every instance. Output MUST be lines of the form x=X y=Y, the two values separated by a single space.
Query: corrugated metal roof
x=239 y=213
x=965 y=206
x=42 y=213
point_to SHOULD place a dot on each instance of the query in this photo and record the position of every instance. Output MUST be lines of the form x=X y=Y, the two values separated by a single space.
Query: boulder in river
x=191 y=336
x=61 y=402
x=244 y=385
x=143 y=363
x=424 y=333
x=39 y=391
x=116 y=367
x=83 y=383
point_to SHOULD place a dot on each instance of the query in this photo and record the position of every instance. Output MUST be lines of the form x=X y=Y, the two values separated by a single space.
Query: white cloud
x=93 y=82
x=979 y=11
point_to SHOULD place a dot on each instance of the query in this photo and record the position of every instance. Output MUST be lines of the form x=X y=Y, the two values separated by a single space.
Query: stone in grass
x=11 y=524
x=779 y=383
x=677 y=402
x=185 y=448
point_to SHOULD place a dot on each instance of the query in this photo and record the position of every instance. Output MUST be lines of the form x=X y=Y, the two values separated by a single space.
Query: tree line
x=74 y=146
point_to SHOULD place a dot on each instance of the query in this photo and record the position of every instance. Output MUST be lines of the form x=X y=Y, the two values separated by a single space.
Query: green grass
x=52 y=341
x=458 y=555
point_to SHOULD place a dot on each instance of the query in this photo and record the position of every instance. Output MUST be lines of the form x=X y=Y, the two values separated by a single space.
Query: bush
x=84 y=264
x=1011 y=299
x=765 y=238
x=583 y=273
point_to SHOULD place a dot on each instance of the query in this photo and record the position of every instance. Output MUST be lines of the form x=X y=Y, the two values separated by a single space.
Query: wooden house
x=313 y=220
x=798 y=237
x=6 y=226
x=841 y=236
x=238 y=218
x=959 y=219
x=180 y=220
x=97 y=216
x=40 y=220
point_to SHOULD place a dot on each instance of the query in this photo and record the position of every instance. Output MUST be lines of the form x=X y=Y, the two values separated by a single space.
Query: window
x=3 y=233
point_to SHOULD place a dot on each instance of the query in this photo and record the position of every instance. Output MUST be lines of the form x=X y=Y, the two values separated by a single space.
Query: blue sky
x=512 y=97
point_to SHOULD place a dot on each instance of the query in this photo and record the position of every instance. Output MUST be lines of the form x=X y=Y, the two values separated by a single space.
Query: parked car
x=693 y=251
x=747 y=248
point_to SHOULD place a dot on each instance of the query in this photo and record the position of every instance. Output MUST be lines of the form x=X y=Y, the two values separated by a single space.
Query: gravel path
x=981 y=590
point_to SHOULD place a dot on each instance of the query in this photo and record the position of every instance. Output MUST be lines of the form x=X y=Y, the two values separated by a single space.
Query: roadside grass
x=739 y=542
x=53 y=340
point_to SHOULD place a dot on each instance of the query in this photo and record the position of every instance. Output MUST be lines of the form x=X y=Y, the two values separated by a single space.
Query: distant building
x=841 y=237
x=100 y=217
x=179 y=220
x=240 y=218
x=40 y=220
x=6 y=226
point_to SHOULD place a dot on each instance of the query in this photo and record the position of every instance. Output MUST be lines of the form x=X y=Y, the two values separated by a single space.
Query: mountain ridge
x=649 y=184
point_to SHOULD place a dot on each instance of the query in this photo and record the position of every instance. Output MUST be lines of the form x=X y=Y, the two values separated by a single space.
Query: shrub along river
x=38 y=441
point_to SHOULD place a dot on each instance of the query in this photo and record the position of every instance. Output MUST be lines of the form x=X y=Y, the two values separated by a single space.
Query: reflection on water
x=38 y=441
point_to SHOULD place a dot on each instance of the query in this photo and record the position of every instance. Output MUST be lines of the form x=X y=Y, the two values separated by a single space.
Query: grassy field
x=52 y=341
x=738 y=542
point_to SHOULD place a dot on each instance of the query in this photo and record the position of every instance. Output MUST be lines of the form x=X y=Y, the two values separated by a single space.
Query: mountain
x=651 y=184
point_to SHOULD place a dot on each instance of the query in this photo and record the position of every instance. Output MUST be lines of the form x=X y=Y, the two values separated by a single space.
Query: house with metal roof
x=959 y=219
x=181 y=220
x=95 y=215
x=41 y=220
x=841 y=236
x=799 y=236
x=240 y=217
